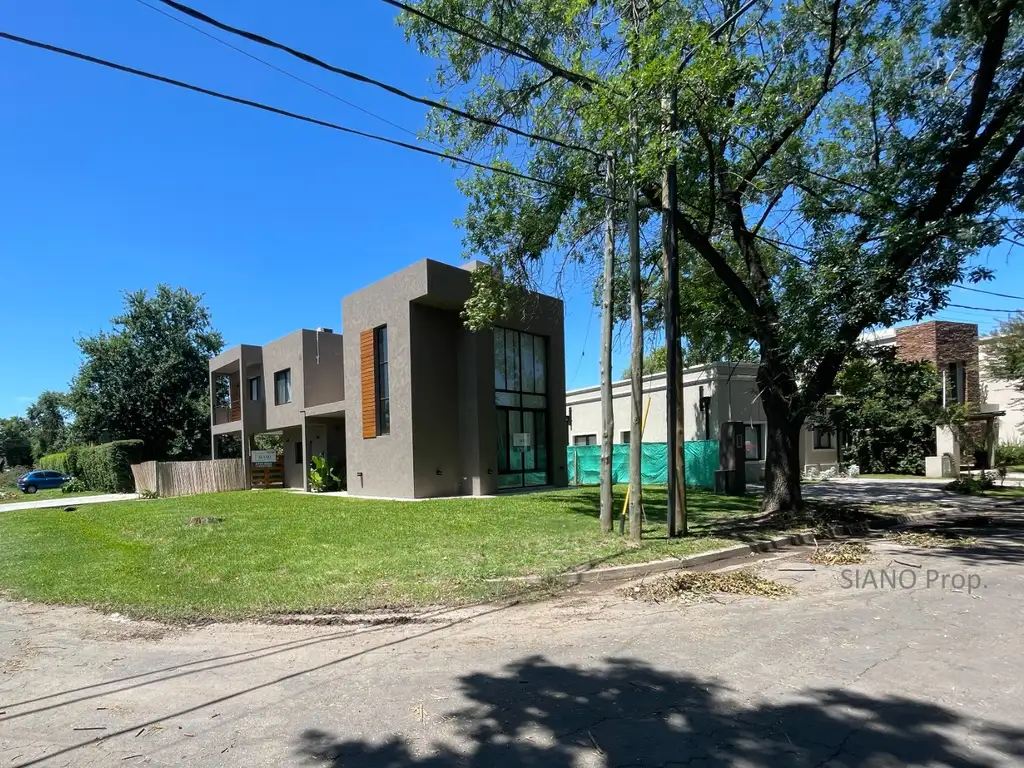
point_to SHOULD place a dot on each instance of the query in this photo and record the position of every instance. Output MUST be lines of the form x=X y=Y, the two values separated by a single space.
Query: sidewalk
x=70 y=501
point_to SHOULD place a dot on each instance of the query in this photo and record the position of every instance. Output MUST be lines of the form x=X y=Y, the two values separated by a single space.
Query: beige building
x=712 y=394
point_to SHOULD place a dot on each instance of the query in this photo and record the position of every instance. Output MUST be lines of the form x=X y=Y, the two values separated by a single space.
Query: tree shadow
x=537 y=713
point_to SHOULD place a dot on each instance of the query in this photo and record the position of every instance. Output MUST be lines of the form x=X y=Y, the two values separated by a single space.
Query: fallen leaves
x=929 y=540
x=846 y=553
x=703 y=585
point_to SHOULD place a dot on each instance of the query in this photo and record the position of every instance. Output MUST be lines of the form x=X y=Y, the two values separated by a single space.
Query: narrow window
x=254 y=388
x=624 y=437
x=753 y=442
x=380 y=357
x=283 y=387
x=298 y=452
x=822 y=438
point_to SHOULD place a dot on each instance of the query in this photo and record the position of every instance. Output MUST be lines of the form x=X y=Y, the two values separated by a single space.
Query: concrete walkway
x=68 y=501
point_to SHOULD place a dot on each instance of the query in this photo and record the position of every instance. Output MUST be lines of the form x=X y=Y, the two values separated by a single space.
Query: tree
x=656 y=361
x=1005 y=352
x=15 y=442
x=888 y=408
x=47 y=423
x=148 y=378
x=839 y=161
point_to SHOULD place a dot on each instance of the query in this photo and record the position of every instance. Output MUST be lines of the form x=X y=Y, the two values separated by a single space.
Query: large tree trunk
x=782 y=459
x=607 y=325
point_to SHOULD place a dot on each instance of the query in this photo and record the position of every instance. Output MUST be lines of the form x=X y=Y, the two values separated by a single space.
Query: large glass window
x=520 y=394
x=283 y=387
x=380 y=357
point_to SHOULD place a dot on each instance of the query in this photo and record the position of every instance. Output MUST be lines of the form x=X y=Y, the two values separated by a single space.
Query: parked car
x=39 y=479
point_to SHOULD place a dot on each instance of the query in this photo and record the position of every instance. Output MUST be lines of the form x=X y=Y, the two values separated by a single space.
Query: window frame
x=286 y=375
x=956 y=382
x=382 y=380
x=299 y=451
x=587 y=438
x=759 y=429
x=257 y=380
x=624 y=436
x=817 y=441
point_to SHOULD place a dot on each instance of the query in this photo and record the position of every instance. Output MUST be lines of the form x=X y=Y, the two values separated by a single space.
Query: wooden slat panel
x=368 y=383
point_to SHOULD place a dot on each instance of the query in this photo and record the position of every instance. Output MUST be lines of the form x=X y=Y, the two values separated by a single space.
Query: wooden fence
x=184 y=478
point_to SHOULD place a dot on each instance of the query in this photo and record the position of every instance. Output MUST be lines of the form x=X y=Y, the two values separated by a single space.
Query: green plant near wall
x=322 y=476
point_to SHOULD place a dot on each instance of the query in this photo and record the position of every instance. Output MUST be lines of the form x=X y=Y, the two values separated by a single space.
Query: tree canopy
x=48 y=423
x=148 y=377
x=15 y=442
x=839 y=162
x=887 y=409
x=1005 y=352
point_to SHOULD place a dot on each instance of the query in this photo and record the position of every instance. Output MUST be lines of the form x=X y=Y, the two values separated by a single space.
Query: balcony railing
x=228 y=412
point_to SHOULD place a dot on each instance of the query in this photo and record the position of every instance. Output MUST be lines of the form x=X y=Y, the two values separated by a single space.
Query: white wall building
x=712 y=394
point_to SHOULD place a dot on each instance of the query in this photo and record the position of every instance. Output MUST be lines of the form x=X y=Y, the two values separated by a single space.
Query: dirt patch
x=205 y=520
x=696 y=587
x=847 y=553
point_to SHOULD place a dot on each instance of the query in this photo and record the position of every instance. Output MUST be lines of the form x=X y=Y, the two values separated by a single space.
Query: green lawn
x=49 y=493
x=277 y=551
x=1007 y=492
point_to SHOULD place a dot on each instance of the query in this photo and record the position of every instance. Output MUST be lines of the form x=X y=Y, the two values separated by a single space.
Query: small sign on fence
x=264 y=458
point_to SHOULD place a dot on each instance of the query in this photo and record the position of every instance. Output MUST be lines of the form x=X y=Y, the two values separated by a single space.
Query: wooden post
x=607 y=326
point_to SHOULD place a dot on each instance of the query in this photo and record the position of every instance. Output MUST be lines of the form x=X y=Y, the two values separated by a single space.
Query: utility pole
x=637 y=361
x=607 y=326
x=676 y=521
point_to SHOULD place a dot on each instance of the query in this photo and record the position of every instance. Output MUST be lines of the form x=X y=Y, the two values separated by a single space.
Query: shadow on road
x=626 y=713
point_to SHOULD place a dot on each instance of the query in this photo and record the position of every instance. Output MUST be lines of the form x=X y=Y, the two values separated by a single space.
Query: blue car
x=41 y=478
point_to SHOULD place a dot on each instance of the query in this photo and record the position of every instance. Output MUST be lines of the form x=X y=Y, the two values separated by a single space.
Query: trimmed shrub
x=56 y=461
x=108 y=467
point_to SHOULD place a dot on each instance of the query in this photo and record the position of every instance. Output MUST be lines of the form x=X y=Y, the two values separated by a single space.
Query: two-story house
x=412 y=403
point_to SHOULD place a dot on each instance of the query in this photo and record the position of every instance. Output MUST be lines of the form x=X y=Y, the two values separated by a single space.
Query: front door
x=522 y=448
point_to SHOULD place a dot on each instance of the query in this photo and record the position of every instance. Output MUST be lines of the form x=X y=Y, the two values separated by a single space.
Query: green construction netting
x=701 y=462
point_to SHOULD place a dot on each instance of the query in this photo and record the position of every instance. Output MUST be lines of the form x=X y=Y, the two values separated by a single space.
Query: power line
x=514 y=48
x=983 y=309
x=287 y=113
x=254 y=57
x=990 y=293
x=310 y=59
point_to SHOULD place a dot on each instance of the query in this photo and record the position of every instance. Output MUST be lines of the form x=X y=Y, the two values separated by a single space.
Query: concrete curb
x=801 y=538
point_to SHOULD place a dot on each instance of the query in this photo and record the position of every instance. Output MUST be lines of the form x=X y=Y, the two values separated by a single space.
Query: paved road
x=66 y=501
x=835 y=677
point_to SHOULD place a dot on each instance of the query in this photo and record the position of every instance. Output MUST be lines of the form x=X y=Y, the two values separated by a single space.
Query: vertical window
x=283 y=387
x=624 y=437
x=298 y=452
x=380 y=359
x=254 y=388
x=822 y=438
x=753 y=442
x=955 y=381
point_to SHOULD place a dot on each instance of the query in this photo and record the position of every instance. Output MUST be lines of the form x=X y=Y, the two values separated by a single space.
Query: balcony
x=225 y=413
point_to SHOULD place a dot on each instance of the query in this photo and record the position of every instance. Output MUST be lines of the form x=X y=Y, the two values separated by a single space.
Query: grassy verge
x=16 y=495
x=283 y=552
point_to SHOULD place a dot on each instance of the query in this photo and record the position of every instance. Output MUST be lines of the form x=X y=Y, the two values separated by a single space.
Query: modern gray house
x=407 y=400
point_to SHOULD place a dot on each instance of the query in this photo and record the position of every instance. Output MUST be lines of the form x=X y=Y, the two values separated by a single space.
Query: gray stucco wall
x=436 y=406
x=278 y=355
x=386 y=462
x=323 y=368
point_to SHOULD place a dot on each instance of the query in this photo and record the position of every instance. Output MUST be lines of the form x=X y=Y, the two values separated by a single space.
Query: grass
x=282 y=552
x=49 y=493
x=1005 y=492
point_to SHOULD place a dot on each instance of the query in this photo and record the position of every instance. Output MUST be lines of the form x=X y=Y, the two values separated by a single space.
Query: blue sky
x=113 y=183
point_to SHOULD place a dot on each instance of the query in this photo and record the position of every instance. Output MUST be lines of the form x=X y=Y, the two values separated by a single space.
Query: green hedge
x=107 y=467
x=61 y=462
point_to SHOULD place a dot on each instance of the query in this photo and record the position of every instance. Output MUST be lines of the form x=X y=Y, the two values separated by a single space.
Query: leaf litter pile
x=846 y=553
x=700 y=586
x=929 y=540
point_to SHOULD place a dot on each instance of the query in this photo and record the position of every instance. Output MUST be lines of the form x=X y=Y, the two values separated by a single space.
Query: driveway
x=838 y=676
x=66 y=501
